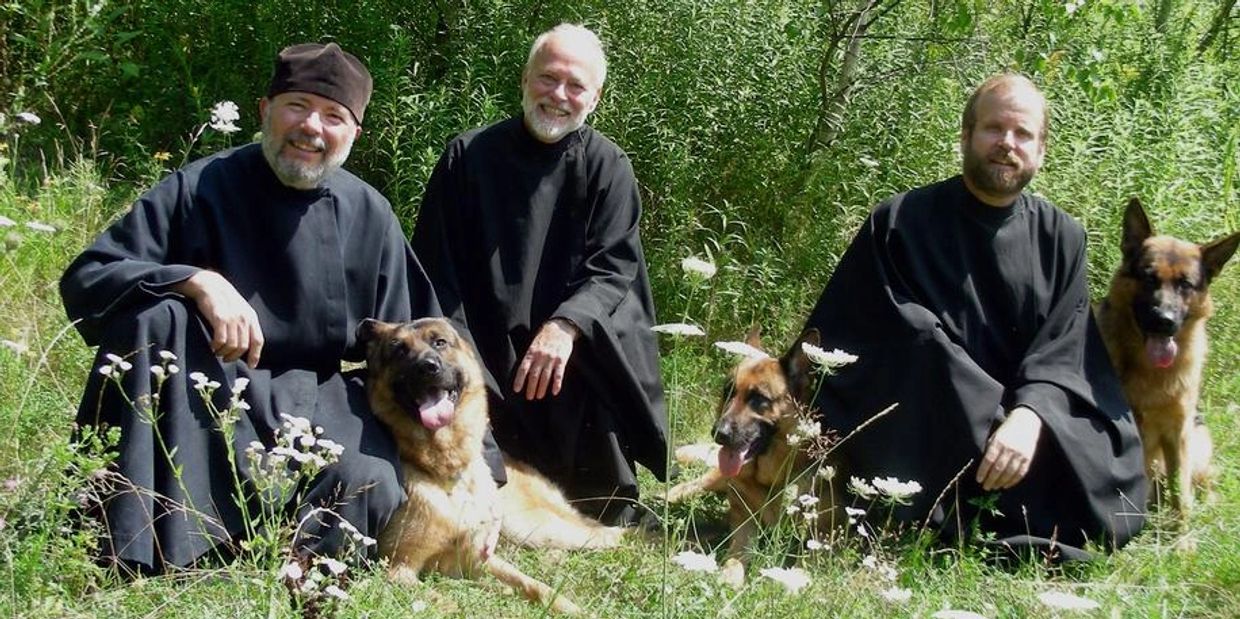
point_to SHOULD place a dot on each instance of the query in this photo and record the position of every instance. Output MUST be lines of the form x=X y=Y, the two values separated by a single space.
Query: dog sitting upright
x=425 y=383
x=756 y=460
x=1153 y=323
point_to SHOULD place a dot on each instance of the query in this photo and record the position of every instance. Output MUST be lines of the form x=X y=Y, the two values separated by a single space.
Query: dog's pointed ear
x=754 y=337
x=1137 y=228
x=368 y=329
x=1216 y=253
x=797 y=364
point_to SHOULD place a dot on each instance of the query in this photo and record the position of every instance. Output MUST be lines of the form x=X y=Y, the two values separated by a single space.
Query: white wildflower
x=826 y=472
x=16 y=347
x=306 y=440
x=853 y=514
x=167 y=355
x=368 y=541
x=792 y=508
x=158 y=372
x=808 y=427
x=115 y=359
x=698 y=268
x=29 y=118
x=793 y=579
x=5 y=222
x=334 y=566
x=418 y=606
x=861 y=488
x=896 y=489
x=331 y=447
x=807 y=500
x=200 y=379
x=867 y=162
x=224 y=117
x=1060 y=600
x=695 y=561
x=336 y=592
x=896 y=595
x=861 y=530
x=290 y=571
x=813 y=544
x=678 y=328
x=173 y=369
x=948 y=613
x=827 y=360
x=106 y=370
x=1098 y=56
x=240 y=384
x=742 y=349
x=1072 y=6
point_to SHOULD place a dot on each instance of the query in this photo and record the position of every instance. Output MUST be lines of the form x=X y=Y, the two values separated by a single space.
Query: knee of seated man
x=368 y=480
x=155 y=322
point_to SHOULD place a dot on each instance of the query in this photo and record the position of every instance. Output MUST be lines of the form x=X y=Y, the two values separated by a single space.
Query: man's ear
x=262 y=109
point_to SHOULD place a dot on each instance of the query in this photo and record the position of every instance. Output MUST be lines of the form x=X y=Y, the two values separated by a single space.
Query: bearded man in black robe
x=967 y=305
x=255 y=263
x=529 y=231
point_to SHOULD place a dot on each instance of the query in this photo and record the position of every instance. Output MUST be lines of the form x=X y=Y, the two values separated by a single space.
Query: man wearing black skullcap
x=253 y=267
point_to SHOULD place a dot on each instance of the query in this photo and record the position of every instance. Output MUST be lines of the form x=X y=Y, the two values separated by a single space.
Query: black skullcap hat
x=324 y=70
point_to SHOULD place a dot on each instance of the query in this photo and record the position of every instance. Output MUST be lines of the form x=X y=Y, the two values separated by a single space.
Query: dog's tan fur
x=455 y=511
x=763 y=392
x=1171 y=276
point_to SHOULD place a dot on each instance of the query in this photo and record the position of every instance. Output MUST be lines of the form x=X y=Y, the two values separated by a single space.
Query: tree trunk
x=1216 y=25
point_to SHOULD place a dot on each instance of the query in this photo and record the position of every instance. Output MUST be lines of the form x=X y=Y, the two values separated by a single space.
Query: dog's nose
x=723 y=433
x=1163 y=322
x=429 y=366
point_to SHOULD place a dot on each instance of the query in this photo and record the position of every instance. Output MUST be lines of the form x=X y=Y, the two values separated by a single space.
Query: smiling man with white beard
x=529 y=232
x=966 y=303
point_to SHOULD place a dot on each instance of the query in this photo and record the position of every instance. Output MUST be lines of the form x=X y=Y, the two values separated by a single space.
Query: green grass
x=45 y=569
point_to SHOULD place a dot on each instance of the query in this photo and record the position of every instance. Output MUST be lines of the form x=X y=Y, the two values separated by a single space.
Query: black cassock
x=958 y=312
x=312 y=264
x=514 y=232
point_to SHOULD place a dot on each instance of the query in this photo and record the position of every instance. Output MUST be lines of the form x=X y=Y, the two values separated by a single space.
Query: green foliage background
x=717 y=103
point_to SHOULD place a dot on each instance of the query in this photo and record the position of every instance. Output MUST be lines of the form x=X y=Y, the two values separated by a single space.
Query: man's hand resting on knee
x=1010 y=450
x=234 y=324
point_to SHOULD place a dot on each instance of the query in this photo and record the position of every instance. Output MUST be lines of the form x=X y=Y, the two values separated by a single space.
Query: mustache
x=315 y=141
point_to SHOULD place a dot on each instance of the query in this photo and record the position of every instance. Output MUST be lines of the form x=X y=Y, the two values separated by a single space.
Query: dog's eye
x=439 y=342
x=1184 y=283
x=396 y=345
x=757 y=401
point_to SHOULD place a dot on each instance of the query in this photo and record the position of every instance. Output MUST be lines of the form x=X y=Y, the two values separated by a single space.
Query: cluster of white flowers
x=224 y=117
x=698 y=268
x=678 y=328
x=880 y=567
x=355 y=535
x=1072 y=6
x=203 y=384
x=695 y=561
x=296 y=441
x=166 y=367
x=827 y=361
x=319 y=583
x=825 y=472
x=806 y=429
x=896 y=595
x=116 y=366
x=887 y=489
x=805 y=504
x=793 y=579
x=898 y=491
x=742 y=349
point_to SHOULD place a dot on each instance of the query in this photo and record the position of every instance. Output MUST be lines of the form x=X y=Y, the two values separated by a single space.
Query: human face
x=1004 y=148
x=306 y=137
x=559 y=89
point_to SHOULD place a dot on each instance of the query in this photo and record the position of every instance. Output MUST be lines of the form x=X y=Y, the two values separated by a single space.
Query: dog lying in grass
x=425 y=383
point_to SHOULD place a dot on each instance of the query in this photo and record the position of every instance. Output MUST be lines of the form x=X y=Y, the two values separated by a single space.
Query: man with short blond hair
x=253 y=265
x=529 y=231
x=967 y=305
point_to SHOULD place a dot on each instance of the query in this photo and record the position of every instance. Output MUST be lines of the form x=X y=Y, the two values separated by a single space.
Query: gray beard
x=296 y=174
x=545 y=130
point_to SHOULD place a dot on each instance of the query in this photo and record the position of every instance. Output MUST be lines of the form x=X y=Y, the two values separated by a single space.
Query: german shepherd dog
x=1153 y=321
x=756 y=460
x=425 y=383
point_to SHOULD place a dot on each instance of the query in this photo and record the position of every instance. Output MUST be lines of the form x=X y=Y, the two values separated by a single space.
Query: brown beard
x=996 y=180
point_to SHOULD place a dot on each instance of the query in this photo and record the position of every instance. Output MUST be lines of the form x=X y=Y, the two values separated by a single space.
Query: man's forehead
x=309 y=97
x=578 y=56
x=1015 y=100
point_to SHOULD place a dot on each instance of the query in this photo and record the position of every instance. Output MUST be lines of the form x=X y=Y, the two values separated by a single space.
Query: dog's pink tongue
x=436 y=413
x=1161 y=351
x=731 y=461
